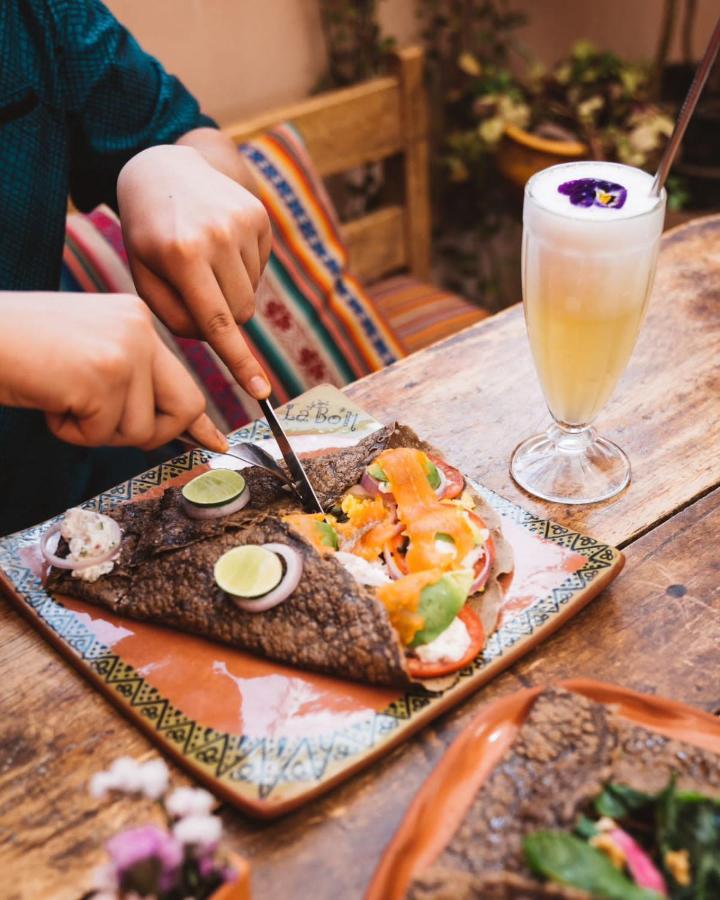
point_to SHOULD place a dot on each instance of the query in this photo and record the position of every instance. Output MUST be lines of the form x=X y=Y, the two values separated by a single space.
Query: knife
x=301 y=482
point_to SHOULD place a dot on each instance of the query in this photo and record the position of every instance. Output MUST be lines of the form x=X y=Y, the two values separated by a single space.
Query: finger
x=207 y=435
x=234 y=281
x=251 y=260
x=265 y=247
x=137 y=423
x=163 y=299
x=178 y=400
x=220 y=330
x=93 y=427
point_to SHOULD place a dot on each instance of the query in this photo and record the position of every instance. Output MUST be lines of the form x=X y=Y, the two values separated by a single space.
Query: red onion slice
x=293 y=571
x=394 y=570
x=442 y=487
x=357 y=490
x=216 y=512
x=482 y=575
x=369 y=484
x=71 y=564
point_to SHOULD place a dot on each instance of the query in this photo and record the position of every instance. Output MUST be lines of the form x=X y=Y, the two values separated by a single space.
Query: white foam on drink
x=543 y=187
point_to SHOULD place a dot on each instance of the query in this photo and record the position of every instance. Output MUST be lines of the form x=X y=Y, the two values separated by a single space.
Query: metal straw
x=686 y=111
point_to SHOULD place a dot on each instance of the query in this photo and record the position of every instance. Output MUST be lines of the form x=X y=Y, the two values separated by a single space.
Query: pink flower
x=146 y=853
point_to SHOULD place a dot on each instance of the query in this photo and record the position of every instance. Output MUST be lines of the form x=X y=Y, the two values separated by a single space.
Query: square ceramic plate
x=444 y=799
x=264 y=736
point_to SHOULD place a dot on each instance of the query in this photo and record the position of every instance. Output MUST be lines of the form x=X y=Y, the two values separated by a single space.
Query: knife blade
x=304 y=488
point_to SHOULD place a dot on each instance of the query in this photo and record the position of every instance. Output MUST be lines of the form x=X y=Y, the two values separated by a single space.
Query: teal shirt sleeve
x=118 y=99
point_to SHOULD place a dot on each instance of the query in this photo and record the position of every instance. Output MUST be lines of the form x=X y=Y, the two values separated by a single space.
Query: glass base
x=570 y=466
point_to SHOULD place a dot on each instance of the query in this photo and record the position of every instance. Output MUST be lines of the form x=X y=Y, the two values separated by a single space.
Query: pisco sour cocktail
x=591 y=234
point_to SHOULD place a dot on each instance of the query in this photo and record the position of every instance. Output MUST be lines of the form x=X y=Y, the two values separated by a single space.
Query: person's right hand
x=94 y=364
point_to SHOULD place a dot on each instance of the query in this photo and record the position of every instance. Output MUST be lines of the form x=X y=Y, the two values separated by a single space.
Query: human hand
x=94 y=364
x=197 y=243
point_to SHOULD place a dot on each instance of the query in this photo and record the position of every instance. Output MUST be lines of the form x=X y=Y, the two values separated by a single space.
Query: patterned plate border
x=268 y=776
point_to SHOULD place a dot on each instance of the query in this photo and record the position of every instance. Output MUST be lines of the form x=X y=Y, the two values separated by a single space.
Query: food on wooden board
x=396 y=582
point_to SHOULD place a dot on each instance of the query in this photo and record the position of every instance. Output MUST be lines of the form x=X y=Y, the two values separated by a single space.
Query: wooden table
x=657 y=629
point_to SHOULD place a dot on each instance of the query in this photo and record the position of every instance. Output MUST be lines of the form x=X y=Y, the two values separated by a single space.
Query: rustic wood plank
x=476 y=395
x=342 y=129
x=416 y=161
x=376 y=243
x=657 y=628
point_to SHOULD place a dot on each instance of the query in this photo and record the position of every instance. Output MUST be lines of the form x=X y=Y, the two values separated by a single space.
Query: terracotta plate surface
x=262 y=735
x=448 y=793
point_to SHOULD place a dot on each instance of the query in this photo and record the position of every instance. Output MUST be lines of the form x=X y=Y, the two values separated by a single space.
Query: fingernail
x=259 y=386
x=222 y=440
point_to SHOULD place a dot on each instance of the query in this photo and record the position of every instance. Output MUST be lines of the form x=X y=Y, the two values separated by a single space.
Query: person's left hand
x=197 y=243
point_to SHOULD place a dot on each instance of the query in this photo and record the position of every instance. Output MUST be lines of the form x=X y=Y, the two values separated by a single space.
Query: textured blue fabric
x=78 y=98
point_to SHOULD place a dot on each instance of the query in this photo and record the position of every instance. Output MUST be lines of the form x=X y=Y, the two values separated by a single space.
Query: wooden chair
x=382 y=119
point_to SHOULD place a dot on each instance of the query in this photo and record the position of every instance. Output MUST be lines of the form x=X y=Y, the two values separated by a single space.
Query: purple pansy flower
x=594 y=192
x=146 y=853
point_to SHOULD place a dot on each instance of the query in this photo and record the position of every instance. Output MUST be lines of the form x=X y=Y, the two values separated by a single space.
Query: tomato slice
x=454 y=477
x=419 y=669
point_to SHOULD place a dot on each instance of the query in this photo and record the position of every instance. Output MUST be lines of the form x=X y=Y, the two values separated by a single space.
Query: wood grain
x=414 y=111
x=476 y=395
x=656 y=629
x=370 y=122
x=343 y=128
x=376 y=243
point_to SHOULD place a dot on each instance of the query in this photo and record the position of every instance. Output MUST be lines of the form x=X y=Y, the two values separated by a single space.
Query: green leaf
x=568 y=860
x=617 y=801
x=690 y=821
x=376 y=472
x=585 y=828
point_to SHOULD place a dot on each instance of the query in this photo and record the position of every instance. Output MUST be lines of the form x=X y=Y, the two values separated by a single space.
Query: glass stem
x=571 y=439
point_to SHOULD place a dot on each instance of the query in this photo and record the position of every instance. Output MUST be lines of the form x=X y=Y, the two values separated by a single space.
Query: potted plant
x=590 y=104
x=181 y=858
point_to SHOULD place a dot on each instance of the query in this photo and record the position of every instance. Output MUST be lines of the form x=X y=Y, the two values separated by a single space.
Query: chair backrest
x=376 y=120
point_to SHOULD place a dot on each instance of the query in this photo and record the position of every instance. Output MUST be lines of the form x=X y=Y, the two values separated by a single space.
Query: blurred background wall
x=242 y=56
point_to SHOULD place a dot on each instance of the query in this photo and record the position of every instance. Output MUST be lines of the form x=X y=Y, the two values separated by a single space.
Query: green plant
x=356 y=47
x=470 y=45
x=596 y=97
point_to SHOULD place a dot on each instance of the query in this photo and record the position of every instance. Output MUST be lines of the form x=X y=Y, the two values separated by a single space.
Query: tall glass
x=591 y=234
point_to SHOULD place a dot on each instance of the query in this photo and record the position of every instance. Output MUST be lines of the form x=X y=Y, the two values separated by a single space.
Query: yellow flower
x=469 y=65
x=491 y=130
x=607 y=845
x=677 y=863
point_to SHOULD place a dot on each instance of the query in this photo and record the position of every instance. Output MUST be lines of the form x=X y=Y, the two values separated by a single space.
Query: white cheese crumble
x=364 y=572
x=89 y=534
x=449 y=646
x=447 y=547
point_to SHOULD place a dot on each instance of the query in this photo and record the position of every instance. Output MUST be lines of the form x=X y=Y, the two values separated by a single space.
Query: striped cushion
x=314 y=322
x=420 y=313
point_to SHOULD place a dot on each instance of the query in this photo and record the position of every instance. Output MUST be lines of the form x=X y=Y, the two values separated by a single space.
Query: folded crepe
x=330 y=623
x=568 y=749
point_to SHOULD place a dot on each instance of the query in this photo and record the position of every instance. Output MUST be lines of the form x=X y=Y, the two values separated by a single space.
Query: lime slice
x=214 y=488
x=248 y=571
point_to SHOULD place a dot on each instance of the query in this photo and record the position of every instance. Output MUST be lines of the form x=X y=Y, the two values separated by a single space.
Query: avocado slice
x=440 y=603
x=328 y=535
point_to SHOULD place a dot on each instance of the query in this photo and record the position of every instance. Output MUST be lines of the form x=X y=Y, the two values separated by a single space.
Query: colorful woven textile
x=314 y=323
x=421 y=313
